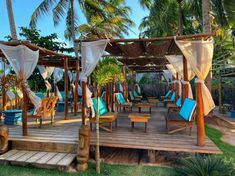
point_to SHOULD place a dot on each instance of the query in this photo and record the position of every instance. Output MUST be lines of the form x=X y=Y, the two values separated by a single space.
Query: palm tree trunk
x=180 y=30
x=73 y=28
x=11 y=20
x=206 y=8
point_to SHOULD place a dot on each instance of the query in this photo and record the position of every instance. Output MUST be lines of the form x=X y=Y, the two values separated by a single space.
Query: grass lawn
x=120 y=170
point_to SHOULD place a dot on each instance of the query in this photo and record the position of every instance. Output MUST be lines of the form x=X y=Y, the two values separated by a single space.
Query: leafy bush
x=204 y=166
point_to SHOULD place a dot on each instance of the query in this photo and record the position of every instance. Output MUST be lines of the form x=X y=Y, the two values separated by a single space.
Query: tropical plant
x=103 y=75
x=208 y=166
x=11 y=20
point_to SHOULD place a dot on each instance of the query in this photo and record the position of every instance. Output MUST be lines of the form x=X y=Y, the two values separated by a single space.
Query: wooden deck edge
x=223 y=121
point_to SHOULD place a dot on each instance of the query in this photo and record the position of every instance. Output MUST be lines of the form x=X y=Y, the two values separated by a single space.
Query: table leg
x=132 y=125
x=110 y=126
x=150 y=110
x=145 y=127
x=139 y=109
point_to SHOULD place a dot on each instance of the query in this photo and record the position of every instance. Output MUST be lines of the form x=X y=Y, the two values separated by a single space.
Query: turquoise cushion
x=187 y=109
x=173 y=96
x=40 y=95
x=178 y=102
x=168 y=94
x=135 y=94
x=131 y=95
x=120 y=98
x=102 y=106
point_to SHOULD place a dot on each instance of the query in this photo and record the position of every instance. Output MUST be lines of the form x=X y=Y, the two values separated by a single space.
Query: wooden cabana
x=148 y=55
x=51 y=59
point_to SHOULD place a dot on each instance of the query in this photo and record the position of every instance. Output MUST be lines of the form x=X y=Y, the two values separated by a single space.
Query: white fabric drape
x=10 y=95
x=91 y=53
x=177 y=62
x=72 y=76
x=46 y=73
x=5 y=69
x=139 y=76
x=199 y=54
x=171 y=69
x=167 y=75
x=120 y=87
x=138 y=88
x=23 y=61
x=58 y=76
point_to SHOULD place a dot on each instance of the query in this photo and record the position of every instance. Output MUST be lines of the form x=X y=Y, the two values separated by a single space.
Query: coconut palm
x=11 y=20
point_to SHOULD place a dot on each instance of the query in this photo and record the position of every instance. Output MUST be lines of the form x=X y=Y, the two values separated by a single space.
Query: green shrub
x=204 y=166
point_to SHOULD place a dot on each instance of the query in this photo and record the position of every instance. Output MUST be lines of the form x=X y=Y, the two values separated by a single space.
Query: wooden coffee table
x=144 y=105
x=139 y=118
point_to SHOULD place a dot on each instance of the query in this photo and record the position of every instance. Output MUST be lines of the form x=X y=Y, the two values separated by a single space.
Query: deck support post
x=185 y=86
x=200 y=116
x=66 y=88
x=25 y=109
x=84 y=109
x=152 y=156
x=76 y=88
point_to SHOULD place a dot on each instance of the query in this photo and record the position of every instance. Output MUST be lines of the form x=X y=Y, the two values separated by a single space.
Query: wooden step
x=40 y=159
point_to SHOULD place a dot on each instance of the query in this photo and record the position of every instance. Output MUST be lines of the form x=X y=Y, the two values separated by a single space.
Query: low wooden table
x=139 y=118
x=144 y=105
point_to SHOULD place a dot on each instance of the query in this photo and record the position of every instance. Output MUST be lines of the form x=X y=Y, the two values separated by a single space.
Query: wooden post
x=177 y=87
x=84 y=114
x=25 y=109
x=113 y=96
x=132 y=82
x=172 y=84
x=76 y=88
x=4 y=96
x=125 y=89
x=200 y=116
x=107 y=96
x=220 y=94
x=185 y=86
x=66 y=82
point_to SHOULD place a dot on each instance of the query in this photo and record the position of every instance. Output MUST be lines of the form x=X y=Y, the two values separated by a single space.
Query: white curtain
x=58 y=76
x=177 y=62
x=171 y=69
x=23 y=61
x=120 y=87
x=91 y=53
x=138 y=77
x=10 y=95
x=5 y=69
x=138 y=88
x=72 y=77
x=46 y=73
x=199 y=54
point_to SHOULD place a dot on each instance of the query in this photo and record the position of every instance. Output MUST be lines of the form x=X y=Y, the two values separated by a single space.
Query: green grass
x=121 y=170
x=107 y=170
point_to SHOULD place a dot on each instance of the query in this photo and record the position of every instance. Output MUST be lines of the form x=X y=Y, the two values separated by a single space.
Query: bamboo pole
x=185 y=86
x=84 y=113
x=200 y=116
x=76 y=88
x=66 y=88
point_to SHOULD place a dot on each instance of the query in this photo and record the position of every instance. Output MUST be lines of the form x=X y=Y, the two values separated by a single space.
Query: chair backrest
x=102 y=106
x=120 y=98
x=178 y=102
x=168 y=94
x=173 y=96
x=40 y=95
x=47 y=105
x=188 y=108
x=135 y=94
x=131 y=95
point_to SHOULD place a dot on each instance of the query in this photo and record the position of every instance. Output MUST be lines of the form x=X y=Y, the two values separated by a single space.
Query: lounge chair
x=167 y=95
x=171 y=100
x=134 y=99
x=122 y=103
x=184 y=118
x=105 y=116
x=136 y=95
x=46 y=110
x=176 y=105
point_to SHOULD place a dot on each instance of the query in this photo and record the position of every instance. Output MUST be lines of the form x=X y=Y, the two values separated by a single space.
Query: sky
x=23 y=9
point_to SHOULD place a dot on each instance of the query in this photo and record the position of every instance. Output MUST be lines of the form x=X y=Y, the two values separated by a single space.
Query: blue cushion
x=131 y=95
x=186 y=112
x=40 y=95
x=168 y=94
x=102 y=106
x=120 y=98
x=135 y=94
x=173 y=96
x=178 y=102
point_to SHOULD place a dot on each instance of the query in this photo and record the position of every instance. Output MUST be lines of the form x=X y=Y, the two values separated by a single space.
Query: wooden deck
x=63 y=136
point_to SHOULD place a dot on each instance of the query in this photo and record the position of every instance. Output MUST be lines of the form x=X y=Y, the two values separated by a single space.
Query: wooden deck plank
x=36 y=157
x=67 y=160
x=56 y=158
x=16 y=155
x=46 y=158
x=25 y=157
x=8 y=154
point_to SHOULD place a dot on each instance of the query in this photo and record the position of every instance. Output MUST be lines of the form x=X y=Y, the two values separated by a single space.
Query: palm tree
x=11 y=20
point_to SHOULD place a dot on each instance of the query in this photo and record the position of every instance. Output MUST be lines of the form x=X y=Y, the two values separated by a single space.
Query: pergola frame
x=148 y=55
x=53 y=59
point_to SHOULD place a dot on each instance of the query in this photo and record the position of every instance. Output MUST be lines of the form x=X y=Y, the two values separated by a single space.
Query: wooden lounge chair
x=122 y=103
x=134 y=99
x=105 y=116
x=166 y=96
x=183 y=119
x=136 y=95
x=171 y=100
x=174 y=106
x=46 y=110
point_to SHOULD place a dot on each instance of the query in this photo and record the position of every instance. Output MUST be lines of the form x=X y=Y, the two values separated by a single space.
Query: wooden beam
x=25 y=110
x=66 y=87
x=76 y=88
x=84 y=112
x=200 y=116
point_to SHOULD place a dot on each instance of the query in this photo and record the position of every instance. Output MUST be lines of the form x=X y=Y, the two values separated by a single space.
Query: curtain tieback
x=199 y=81
x=185 y=82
